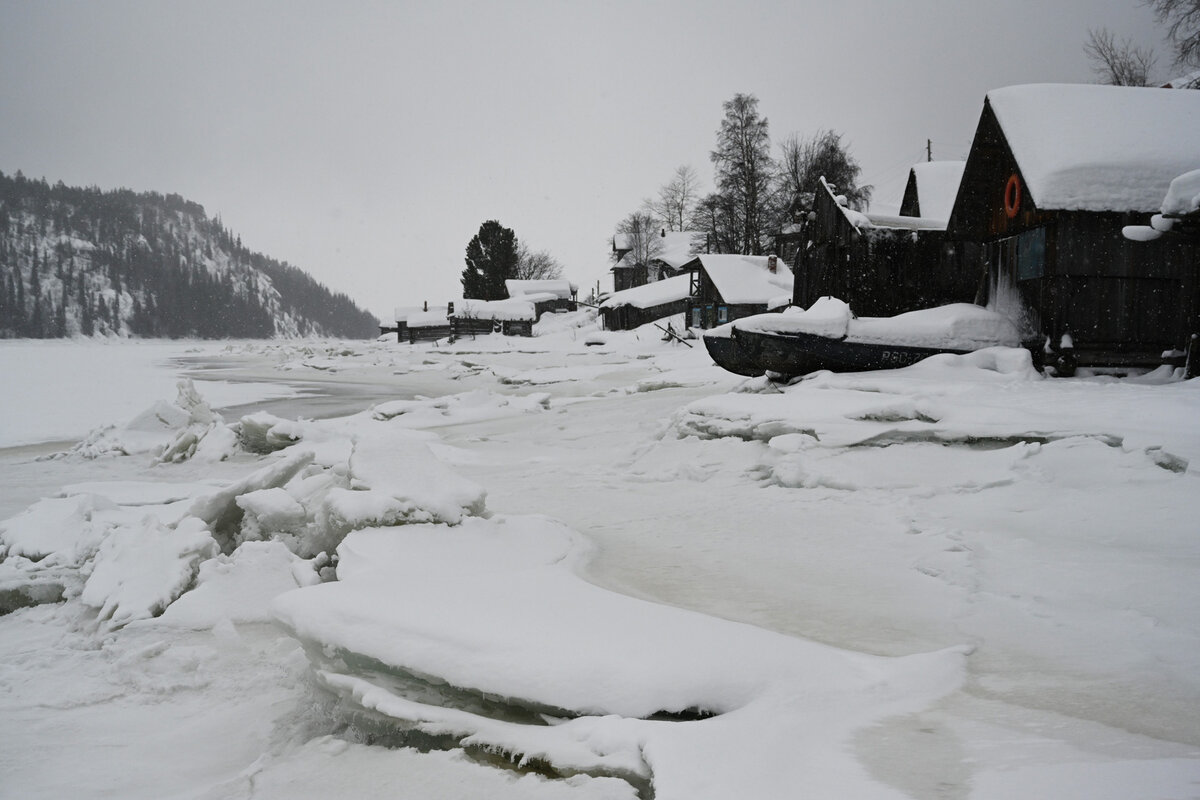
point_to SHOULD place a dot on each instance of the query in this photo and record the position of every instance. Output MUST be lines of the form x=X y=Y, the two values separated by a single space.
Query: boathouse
x=884 y=265
x=1053 y=175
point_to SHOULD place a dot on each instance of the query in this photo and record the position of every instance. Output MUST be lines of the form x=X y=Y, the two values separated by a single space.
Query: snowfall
x=591 y=564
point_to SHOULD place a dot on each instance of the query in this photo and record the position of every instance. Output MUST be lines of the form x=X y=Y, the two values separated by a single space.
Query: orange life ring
x=1012 y=196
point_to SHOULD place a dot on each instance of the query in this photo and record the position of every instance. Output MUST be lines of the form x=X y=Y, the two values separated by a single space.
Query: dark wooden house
x=724 y=288
x=881 y=265
x=664 y=254
x=1053 y=175
x=631 y=308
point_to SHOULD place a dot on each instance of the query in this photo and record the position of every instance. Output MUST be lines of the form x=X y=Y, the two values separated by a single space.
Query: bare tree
x=536 y=265
x=1183 y=20
x=804 y=161
x=745 y=172
x=1119 y=63
x=676 y=199
x=640 y=236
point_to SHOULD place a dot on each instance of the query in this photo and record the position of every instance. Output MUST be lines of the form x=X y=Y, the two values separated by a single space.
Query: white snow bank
x=500 y=587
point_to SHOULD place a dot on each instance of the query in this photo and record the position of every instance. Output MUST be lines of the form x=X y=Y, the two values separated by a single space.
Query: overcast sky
x=366 y=142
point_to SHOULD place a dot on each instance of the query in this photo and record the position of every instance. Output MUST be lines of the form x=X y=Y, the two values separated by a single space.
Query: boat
x=728 y=352
x=829 y=337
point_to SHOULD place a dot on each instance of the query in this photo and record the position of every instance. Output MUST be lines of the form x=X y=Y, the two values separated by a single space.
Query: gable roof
x=560 y=289
x=746 y=279
x=936 y=185
x=658 y=293
x=1084 y=147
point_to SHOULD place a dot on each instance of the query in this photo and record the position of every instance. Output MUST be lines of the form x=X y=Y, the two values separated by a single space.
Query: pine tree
x=491 y=259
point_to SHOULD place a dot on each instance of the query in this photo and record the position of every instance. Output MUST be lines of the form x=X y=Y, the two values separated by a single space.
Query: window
x=722 y=315
x=1031 y=254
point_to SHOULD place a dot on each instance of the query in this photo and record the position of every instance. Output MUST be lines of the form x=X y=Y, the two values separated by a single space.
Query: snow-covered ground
x=591 y=565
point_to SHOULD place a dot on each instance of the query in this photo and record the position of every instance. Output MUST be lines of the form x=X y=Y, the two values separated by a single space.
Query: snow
x=1099 y=148
x=746 y=279
x=650 y=295
x=572 y=571
x=958 y=326
x=937 y=187
x=1183 y=195
x=503 y=310
x=556 y=289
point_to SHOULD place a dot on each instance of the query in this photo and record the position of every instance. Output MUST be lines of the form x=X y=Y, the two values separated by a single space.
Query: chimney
x=426 y=308
x=450 y=309
x=663 y=235
x=772 y=263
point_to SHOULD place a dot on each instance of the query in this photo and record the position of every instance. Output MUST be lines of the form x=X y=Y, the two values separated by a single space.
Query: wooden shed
x=622 y=311
x=882 y=265
x=1053 y=175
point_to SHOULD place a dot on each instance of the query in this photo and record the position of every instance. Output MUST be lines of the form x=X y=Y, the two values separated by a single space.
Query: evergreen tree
x=491 y=259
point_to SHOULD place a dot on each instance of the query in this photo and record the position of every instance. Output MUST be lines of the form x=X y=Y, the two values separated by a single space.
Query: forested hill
x=85 y=261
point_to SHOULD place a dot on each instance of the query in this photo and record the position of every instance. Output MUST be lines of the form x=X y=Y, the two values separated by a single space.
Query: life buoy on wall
x=1012 y=196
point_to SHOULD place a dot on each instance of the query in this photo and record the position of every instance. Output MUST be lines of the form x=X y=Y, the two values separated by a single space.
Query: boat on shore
x=728 y=353
x=829 y=337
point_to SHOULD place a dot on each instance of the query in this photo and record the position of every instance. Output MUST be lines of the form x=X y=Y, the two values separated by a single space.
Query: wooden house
x=547 y=296
x=724 y=288
x=631 y=308
x=884 y=265
x=1053 y=175
x=664 y=254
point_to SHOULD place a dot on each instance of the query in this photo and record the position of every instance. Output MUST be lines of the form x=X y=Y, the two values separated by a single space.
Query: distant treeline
x=84 y=261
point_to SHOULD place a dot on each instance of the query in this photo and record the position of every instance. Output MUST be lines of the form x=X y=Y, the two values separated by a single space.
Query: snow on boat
x=829 y=337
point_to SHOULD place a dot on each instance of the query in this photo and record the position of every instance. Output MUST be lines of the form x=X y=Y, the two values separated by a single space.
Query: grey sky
x=365 y=142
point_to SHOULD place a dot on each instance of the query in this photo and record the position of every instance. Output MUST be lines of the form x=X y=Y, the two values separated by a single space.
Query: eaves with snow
x=1083 y=147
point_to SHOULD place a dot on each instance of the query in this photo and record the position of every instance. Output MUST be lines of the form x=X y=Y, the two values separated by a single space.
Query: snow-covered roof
x=937 y=186
x=504 y=310
x=402 y=313
x=560 y=289
x=1099 y=148
x=428 y=319
x=746 y=279
x=863 y=220
x=674 y=248
x=677 y=248
x=650 y=295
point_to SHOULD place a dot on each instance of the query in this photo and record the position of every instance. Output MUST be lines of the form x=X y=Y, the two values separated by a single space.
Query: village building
x=547 y=295
x=727 y=287
x=640 y=305
x=1055 y=172
x=661 y=255
x=884 y=265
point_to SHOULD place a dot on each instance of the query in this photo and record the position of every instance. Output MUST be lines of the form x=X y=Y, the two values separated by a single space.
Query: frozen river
x=1005 y=568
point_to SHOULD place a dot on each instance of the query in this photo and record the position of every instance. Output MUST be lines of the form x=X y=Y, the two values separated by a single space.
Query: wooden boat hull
x=791 y=354
x=729 y=355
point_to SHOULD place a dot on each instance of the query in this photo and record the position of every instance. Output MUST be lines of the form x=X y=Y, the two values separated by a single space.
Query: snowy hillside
x=82 y=262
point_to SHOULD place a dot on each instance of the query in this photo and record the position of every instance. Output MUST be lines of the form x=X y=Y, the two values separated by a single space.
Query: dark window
x=1031 y=254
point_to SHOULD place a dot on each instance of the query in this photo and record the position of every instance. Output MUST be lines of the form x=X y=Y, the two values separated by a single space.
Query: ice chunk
x=139 y=570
